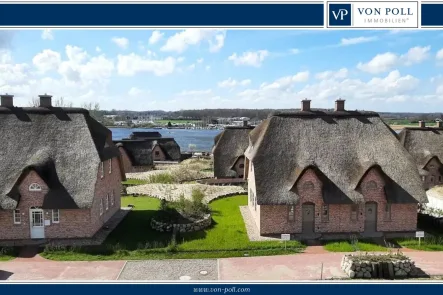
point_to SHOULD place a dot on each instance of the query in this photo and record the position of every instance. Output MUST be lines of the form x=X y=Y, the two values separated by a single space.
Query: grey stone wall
x=185 y=227
x=358 y=267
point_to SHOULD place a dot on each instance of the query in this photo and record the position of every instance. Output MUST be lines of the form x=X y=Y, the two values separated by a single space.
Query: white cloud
x=229 y=83
x=47 y=34
x=195 y=92
x=98 y=49
x=121 y=42
x=200 y=60
x=387 y=61
x=134 y=91
x=155 y=37
x=129 y=65
x=249 y=58
x=439 y=55
x=181 y=41
x=47 y=60
x=357 y=40
x=340 y=74
x=208 y=68
x=294 y=51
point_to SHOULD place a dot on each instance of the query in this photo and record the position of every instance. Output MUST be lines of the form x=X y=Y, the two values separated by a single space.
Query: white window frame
x=325 y=217
x=107 y=202
x=112 y=198
x=291 y=213
x=388 y=209
x=110 y=166
x=101 y=207
x=15 y=214
x=102 y=170
x=35 y=187
x=55 y=212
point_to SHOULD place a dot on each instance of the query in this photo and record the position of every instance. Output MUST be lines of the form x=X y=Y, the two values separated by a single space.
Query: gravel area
x=183 y=269
x=174 y=191
x=251 y=227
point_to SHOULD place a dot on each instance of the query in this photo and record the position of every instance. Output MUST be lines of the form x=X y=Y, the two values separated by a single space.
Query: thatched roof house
x=425 y=144
x=228 y=151
x=339 y=150
x=62 y=152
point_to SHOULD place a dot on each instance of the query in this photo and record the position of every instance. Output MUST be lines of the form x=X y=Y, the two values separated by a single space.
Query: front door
x=37 y=223
x=370 y=218
x=308 y=216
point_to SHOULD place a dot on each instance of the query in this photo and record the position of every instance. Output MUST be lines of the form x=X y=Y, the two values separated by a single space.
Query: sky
x=142 y=70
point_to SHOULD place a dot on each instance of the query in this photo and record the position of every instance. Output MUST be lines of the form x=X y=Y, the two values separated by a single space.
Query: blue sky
x=208 y=68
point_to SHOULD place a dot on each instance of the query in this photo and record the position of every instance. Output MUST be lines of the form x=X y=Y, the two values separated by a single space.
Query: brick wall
x=73 y=223
x=127 y=163
x=158 y=154
x=434 y=178
x=274 y=219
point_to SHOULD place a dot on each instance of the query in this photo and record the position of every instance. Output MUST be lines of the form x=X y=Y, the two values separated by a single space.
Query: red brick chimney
x=7 y=100
x=340 y=105
x=306 y=105
x=45 y=100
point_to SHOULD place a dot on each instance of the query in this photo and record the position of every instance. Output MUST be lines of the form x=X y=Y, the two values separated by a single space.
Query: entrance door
x=370 y=218
x=37 y=223
x=308 y=216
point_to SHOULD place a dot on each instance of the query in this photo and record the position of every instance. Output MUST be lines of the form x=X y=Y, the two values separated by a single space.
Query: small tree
x=192 y=147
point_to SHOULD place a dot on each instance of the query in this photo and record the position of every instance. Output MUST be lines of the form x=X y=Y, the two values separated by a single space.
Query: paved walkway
x=314 y=264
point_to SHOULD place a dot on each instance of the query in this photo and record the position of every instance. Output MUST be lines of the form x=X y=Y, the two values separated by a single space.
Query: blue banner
x=432 y=15
x=164 y=15
x=229 y=288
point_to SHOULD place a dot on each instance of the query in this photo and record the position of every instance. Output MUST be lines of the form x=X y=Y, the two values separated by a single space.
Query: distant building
x=329 y=174
x=228 y=151
x=425 y=144
x=60 y=173
x=141 y=150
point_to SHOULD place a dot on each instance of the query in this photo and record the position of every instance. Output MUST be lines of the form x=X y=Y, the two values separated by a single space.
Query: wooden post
x=321 y=274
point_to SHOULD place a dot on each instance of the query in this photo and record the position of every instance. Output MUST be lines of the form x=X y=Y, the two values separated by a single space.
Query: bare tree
x=34 y=102
x=62 y=103
x=94 y=110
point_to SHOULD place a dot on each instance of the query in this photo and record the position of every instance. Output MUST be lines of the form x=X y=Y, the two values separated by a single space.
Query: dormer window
x=35 y=187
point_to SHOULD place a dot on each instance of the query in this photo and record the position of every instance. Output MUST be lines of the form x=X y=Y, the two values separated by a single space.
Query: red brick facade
x=73 y=223
x=434 y=177
x=158 y=154
x=343 y=218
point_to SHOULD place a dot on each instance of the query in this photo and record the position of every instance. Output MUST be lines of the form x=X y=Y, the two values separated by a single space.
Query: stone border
x=357 y=267
x=197 y=225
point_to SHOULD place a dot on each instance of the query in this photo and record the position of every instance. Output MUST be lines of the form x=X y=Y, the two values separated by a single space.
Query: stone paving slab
x=61 y=270
x=181 y=269
x=285 y=267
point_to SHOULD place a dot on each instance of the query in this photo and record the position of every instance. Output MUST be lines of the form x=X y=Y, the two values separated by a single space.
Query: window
x=291 y=213
x=157 y=153
x=431 y=166
x=371 y=185
x=112 y=198
x=101 y=207
x=107 y=202
x=325 y=213
x=241 y=166
x=423 y=178
x=308 y=186
x=110 y=166
x=17 y=217
x=388 y=212
x=240 y=176
x=432 y=179
x=102 y=170
x=35 y=187
x=354 y=212
x=56 y=216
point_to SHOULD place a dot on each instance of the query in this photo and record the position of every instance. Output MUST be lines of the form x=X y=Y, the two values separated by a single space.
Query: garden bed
x=185 y=225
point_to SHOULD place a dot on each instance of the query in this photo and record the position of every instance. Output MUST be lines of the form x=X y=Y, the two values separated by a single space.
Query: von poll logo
x=340 y=15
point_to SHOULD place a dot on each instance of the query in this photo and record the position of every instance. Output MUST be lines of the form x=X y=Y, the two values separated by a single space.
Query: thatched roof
x=341 y=146
x=230 y=144
x=140 y=150
x=63 y=145
x=144 y=134
x=423 y=144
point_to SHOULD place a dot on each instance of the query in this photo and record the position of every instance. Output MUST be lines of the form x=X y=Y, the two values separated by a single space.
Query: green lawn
x=346 y=246
x=426 y=244
x=134 y=238
x=131 y=181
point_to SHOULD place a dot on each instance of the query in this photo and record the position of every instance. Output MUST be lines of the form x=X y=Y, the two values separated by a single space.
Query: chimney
x=340 y=105
x=45 y=101
x=7 y=100
x=245 y=123
x=306 y=105
x=421 y=124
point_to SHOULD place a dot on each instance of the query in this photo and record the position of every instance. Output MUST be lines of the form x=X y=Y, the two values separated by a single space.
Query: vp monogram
x=340 y=14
